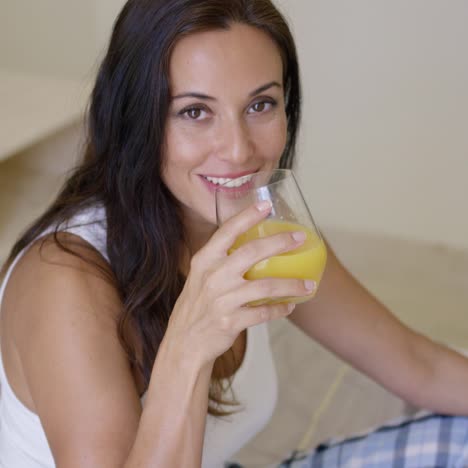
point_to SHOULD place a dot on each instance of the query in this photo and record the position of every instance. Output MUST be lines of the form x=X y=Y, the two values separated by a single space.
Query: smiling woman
x=126 y=335
x=190 y=94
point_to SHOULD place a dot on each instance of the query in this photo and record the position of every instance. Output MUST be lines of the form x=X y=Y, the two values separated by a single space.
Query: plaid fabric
x=428 y=441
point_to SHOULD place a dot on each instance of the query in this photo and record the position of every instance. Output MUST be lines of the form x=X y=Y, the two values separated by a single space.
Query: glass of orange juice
x=289 y=213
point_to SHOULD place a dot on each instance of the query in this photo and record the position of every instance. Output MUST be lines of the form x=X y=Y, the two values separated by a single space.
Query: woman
x=123 y=333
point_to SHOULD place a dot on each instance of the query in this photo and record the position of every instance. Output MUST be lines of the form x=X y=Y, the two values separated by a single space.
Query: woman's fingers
x=251 y=316
x=225 y=236
x=254 y=251
x=254 y=290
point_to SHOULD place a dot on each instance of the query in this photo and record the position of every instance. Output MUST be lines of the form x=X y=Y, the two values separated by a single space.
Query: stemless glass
x=289 y=213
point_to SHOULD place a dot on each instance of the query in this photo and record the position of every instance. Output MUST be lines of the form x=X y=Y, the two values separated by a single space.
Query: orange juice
x=306 y=262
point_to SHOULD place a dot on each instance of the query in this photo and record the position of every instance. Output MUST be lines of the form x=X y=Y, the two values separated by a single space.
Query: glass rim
x=289 y=173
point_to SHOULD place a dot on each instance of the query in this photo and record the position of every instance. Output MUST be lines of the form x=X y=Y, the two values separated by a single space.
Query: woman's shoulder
x=61 y=272
x=61 y=316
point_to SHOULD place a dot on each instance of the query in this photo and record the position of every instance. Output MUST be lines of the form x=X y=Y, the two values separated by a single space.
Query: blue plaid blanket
x=424 y=441
x=428 y=441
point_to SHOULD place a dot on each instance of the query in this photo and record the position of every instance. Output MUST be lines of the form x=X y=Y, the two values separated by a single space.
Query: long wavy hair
x=123 y=160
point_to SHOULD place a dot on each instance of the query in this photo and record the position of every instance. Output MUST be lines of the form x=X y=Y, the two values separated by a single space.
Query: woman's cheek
x=274 y=139
x=186 y=146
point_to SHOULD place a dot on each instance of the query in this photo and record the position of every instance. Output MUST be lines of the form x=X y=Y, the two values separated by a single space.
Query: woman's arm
x=180 y=404
x=79 y=379
x=77 y=372
x=350 y=322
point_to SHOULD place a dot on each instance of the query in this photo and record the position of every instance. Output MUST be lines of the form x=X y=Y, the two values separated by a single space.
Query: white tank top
x=23 y=443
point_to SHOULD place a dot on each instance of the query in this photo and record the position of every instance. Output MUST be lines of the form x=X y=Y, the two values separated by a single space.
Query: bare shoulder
x=50 y=280
x=61 y=312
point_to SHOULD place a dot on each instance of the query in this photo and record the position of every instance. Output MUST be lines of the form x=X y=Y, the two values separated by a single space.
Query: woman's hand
x=211 y=311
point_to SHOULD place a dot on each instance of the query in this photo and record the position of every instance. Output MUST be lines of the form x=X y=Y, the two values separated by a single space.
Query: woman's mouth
x=225 y=184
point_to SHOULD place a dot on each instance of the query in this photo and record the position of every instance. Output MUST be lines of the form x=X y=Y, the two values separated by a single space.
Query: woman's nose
x=237 y=145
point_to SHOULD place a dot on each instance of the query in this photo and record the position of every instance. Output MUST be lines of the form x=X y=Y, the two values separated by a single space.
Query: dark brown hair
x=123 y=160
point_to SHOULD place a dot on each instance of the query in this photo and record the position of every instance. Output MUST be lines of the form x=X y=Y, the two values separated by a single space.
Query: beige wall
x=385 y=140
x=51 y=37
x=384 y=146
x=106 y=13
x=55 y=37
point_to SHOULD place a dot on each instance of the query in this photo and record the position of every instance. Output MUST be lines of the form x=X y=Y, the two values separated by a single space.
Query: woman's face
x=227 y=114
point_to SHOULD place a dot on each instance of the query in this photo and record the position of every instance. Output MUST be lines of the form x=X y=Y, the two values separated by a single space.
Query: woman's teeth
x=230 y=183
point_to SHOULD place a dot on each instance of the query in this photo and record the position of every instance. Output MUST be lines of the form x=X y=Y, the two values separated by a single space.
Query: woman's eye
x=260 y=107
x=194 y=113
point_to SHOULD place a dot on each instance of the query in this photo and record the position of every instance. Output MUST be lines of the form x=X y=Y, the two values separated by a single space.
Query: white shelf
x=32 y=107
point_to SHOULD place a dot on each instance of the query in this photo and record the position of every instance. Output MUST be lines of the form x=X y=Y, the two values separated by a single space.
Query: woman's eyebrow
x=194 y=95
x=205 y=97
x=263 y=88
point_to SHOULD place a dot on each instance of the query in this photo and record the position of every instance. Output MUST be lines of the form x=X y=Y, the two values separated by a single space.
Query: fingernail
x=309 y=285
x=299 y=236
x=291 y=307
x=263 y=205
